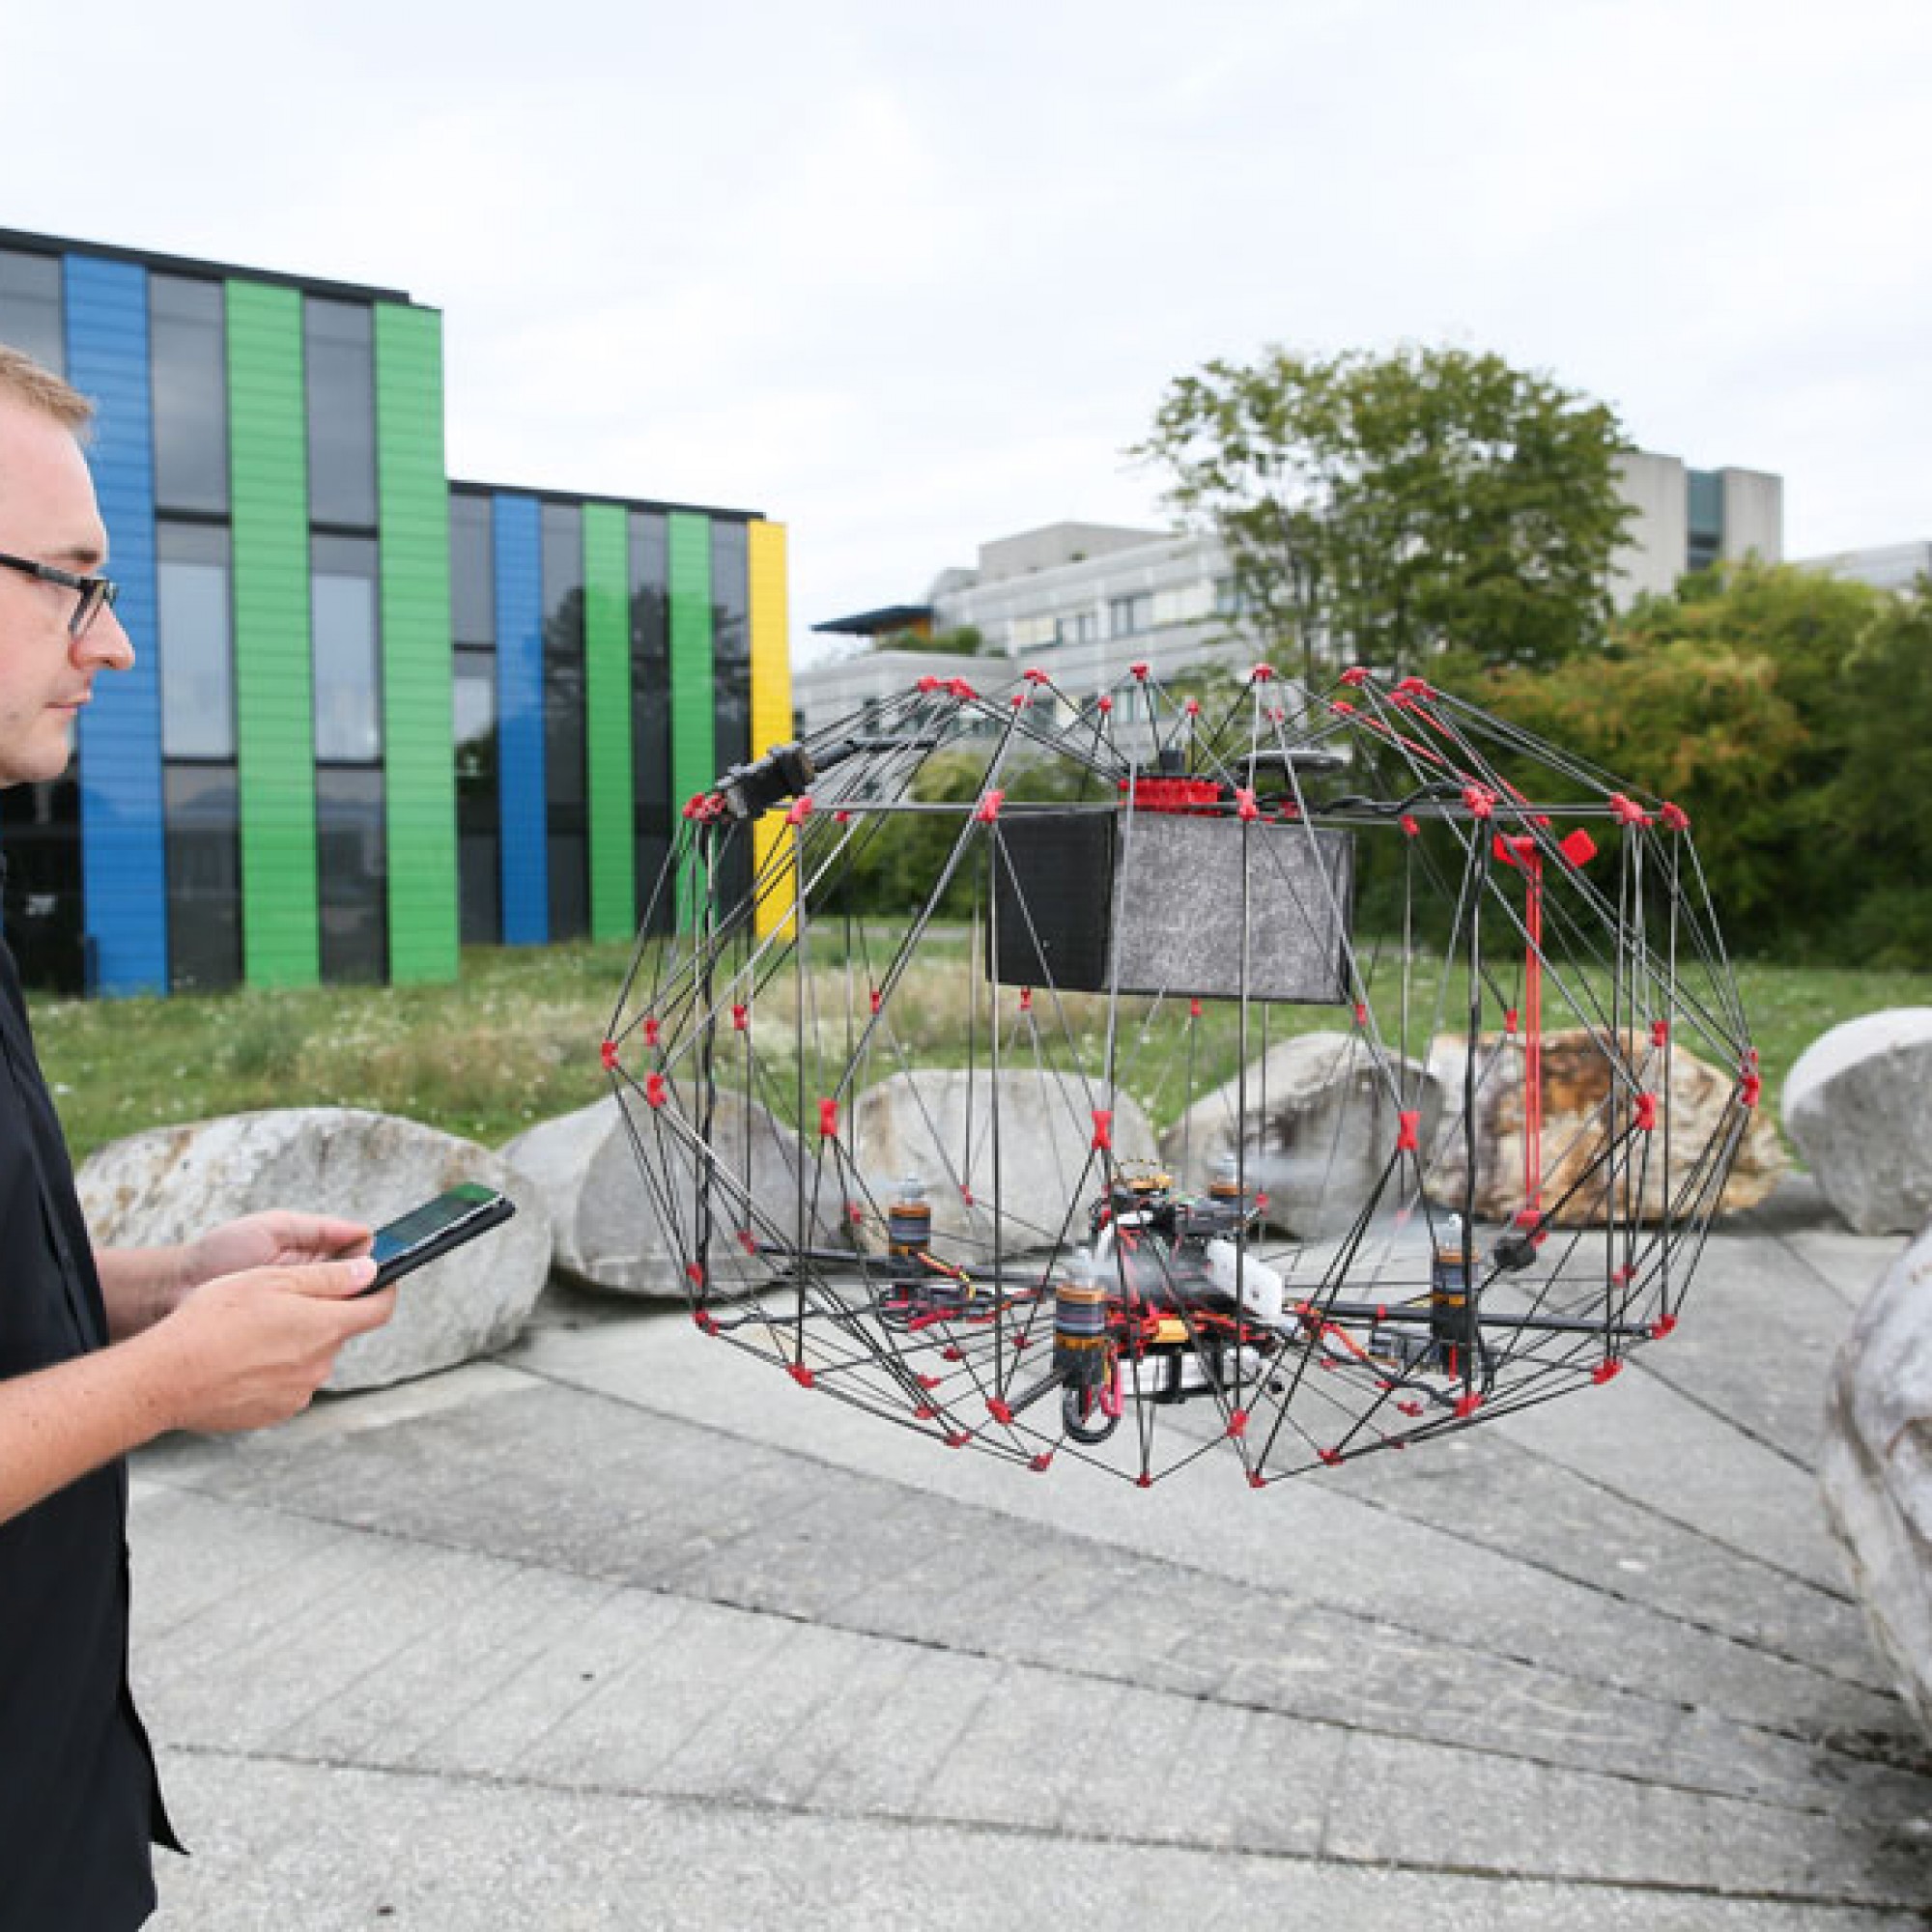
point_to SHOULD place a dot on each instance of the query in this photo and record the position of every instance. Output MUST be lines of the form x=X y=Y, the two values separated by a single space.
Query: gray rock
x=608 y=1216
x=1576 y=1083
x=1858 y=1106
x=1877 y=1468
x=171 y=1183
x=938 y=1124
x=1322 y=1118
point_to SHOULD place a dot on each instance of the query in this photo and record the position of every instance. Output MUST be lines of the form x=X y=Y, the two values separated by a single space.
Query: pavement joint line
x=1008 y=1829
x=1213 y=1698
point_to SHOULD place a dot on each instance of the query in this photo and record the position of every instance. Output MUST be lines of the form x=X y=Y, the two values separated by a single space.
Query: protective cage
x=1275 y=1075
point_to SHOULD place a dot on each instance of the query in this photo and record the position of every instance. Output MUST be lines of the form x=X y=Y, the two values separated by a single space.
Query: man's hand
x=248 y=1348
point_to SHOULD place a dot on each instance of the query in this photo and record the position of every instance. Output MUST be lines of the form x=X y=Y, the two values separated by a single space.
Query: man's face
x=47 y=513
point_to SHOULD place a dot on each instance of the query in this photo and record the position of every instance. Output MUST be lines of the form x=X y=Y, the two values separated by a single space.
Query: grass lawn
x=516 y=1042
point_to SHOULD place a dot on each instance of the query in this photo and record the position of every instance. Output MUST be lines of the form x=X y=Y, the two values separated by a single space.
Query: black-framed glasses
x=96 y=593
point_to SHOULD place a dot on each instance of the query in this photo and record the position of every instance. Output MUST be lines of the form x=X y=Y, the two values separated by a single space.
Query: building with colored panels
x=376 y=714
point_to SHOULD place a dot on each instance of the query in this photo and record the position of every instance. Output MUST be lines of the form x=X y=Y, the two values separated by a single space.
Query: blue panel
x=124 y=858
x=520 y=721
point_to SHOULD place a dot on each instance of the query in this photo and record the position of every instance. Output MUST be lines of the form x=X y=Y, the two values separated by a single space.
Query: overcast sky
x=910 y=277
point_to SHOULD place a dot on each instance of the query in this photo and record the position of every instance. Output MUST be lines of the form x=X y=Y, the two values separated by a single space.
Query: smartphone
x=465 y=1211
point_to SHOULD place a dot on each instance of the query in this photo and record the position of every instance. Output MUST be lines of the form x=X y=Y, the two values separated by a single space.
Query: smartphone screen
x=424 y=1232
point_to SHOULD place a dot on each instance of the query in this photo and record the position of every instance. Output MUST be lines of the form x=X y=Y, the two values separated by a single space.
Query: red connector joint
x=1103 y=1130
x=1245 y=804
x=1645 y=1119
x=1466 y=1406
x=741 y=1018
x=1330 y=1456
x=1674 y=816
x=877 y=997
x=1409 y=1139
x=1143 y=1480
x=1033 y=675
x=799 y=810
x=1661 y=1326
x=1578 y=848
x=988 y=807
x=1026 y=999
x=1103 y=705
x=1256 y=1480
x=1409 y=826
x=1041 y=1463
x=654 y=1090
x=801 y=1375
x=1138 y=672
x=652 y=1032
x=828 y=1120
x=1606 y=1371
x=748 y=1240
x=1751 y=1090
x=1192 y=707
x=1659 y=1032
x=607 y=1054
x=1414 y=687
x=707 y=1325
x=1000 y=1411
x=1626 y=810
x=1238 y=1423
x=1357 y=675
x=1480 y=800
x=1263 y=673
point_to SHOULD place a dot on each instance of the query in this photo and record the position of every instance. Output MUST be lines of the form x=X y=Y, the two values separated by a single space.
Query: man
x=102 y=1351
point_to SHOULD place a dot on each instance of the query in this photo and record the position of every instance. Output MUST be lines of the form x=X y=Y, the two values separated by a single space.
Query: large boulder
x=1577 y=1082
x=172 y=1183
x=1858 y=1106
x=1321 y=1117
x=608 y=1219
x=938 y=1124
x=1877 y=1468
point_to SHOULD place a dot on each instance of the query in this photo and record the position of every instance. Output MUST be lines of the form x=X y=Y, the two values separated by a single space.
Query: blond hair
x=41 y=390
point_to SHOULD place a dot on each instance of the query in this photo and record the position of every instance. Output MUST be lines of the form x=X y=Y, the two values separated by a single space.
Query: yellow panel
x=770 y=714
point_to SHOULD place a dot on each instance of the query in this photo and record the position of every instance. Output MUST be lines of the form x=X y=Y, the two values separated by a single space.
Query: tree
x=962 y=641
x=1378 y=508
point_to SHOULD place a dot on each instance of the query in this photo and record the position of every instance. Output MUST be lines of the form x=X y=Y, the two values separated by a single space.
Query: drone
x=1259 y=1074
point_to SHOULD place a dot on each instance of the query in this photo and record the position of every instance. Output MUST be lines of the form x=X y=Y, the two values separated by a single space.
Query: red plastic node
x=926 y=1381
x=1000 y=1411
x=1674 y=816
x=1103 y=1129
x=951 y=1353
x=1626 y=810
x=1480 y=800
x=741 y=1018
x=1033 y=675
x=925 y=1412
x=799 y=809
x=1578 y=846
x=1026 y=999
x=607 y=1053
x=828 y=1120
x=1192 y=707
x=1645 y=1119
x=1256 y=1480
x=652 y=1031
x=960 y=689
x=1414 y=687
x=841 y=819
x=1194 y=1009
x=1661 y=1326
x=1103 y=705
x=1238 y=1423
x=1751 y=1090
x=988 y=807
x=1021 y=1342
x=855 y=1210
x=960 y=1439
x=707 y=1323
x=747 y=1240
x=801 y=1375
x=1512 y=1019
x=1139 y=672
x=1276 y=715
x=1468 y=1404
x=1330 y=1456
x=929 y=683
x=1606 y=1371
x=1143 y=1480
x=1263 y=673
x=1357 y=675
x=1245 y=804
x=1409 y=826
x=1041 y=1463
x=877 y=997
x=1409 y=1139
x=1409 y=1408
x=1622 y=1277
x=654 y=1090
x=1260 y=1204
x=1342 y=707
x=693 y=1273
x=1020 y=699
x=1659 y=1032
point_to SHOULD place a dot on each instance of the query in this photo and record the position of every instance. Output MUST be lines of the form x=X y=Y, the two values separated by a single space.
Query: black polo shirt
x=78 y=1798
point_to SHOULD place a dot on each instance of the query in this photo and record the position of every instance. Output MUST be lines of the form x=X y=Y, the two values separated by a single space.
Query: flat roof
x=470 y=483
x=190 y=264
x=888 y=617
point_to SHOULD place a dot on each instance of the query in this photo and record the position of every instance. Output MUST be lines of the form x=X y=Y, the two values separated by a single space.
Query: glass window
x=202 y=809
x=473 y=585
x=478 y=808
x=339 y=363
x=564 y=763
x=30 y=307
x=350 y=873
x=348 y=702
x=650 y=707
x=1126 y=616
x=731 y=665
x=189 y=352
x=196 y=639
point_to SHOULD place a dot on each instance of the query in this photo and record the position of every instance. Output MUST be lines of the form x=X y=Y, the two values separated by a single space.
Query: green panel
x=275 y=726
x=693 y=701
x=607 y=704
x=418 y=725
